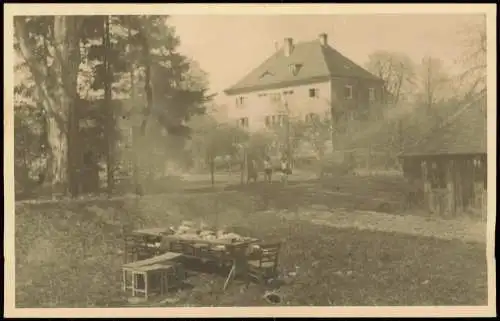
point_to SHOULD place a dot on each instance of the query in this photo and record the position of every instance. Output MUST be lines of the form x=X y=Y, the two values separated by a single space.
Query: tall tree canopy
x=74 y=62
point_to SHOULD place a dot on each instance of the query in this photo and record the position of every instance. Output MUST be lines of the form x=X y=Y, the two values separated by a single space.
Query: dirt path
x=464 y=229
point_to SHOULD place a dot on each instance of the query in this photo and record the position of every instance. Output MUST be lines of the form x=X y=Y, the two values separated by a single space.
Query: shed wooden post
x=133 y=282
x=124 y=275
x=369 y=160
x=450 y=195
x=425 y=180
x=457 y=185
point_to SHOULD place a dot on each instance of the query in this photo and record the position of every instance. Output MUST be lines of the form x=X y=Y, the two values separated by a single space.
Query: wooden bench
x=156 y=278
x=166 y=265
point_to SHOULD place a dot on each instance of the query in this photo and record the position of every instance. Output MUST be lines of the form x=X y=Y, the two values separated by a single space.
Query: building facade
x=299 y=81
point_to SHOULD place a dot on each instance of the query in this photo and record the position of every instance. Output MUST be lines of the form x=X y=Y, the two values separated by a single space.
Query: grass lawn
x=68 y=255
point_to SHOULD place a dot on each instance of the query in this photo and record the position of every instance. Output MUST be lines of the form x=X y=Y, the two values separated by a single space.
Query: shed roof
x=464 y=133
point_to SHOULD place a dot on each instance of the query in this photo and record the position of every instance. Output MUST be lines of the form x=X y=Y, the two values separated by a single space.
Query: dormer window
x=295 y=68
x=266 y=73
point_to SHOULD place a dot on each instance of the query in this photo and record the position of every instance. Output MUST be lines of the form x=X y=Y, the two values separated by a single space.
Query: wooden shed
x=449 y=164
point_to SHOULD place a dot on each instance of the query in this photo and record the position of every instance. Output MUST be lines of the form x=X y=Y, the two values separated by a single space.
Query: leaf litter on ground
x=85 y=271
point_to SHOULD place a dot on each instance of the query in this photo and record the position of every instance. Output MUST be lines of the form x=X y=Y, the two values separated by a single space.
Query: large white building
x=300 y=80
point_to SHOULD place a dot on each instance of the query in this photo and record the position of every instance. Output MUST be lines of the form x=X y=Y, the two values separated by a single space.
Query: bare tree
x=433 y=81
x=396 y=69
x=473 y=38
x=316 y=132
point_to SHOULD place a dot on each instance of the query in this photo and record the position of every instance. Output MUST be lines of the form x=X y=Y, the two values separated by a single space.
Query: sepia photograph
x=235 y=156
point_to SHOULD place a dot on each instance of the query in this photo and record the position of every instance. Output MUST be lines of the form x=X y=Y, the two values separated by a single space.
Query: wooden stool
x=165 y=259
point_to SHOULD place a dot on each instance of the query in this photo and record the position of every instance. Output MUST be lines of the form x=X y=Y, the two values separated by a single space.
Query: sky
x=227 y=47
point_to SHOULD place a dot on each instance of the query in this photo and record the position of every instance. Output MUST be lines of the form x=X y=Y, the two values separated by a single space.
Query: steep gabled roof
x=314 y=63
x=464 y=133
x=341 y=66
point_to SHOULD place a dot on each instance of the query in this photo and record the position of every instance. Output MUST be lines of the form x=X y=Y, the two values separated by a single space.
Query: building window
x=275 y=97
x=262 y=95
x=371 y=94
x=240 y=101
x=348 y=92
x=275 y=121
x=288 y=92
x=313 y=93
x=243 y=122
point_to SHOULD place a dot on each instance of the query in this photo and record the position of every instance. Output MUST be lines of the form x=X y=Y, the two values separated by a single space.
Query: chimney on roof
x=323 y=39
x=276 y=46
x=288 y=46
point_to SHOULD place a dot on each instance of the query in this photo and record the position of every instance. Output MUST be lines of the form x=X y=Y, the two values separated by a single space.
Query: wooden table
x=154 y=231
x=235 y=250
x=180 y=238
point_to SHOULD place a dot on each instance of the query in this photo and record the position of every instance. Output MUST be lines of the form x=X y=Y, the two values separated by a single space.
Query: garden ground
x=69 y=254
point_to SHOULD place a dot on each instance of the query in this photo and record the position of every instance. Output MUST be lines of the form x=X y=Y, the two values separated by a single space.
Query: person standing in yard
x=285 y=170
x=268 y=169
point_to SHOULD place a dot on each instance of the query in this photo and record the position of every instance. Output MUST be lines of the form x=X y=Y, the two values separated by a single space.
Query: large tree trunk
x=70 y=68
x=58 y=159
x=67 y=62
x=135 y=160
x=58 y=102
x=148 y=88
x=108 y=104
